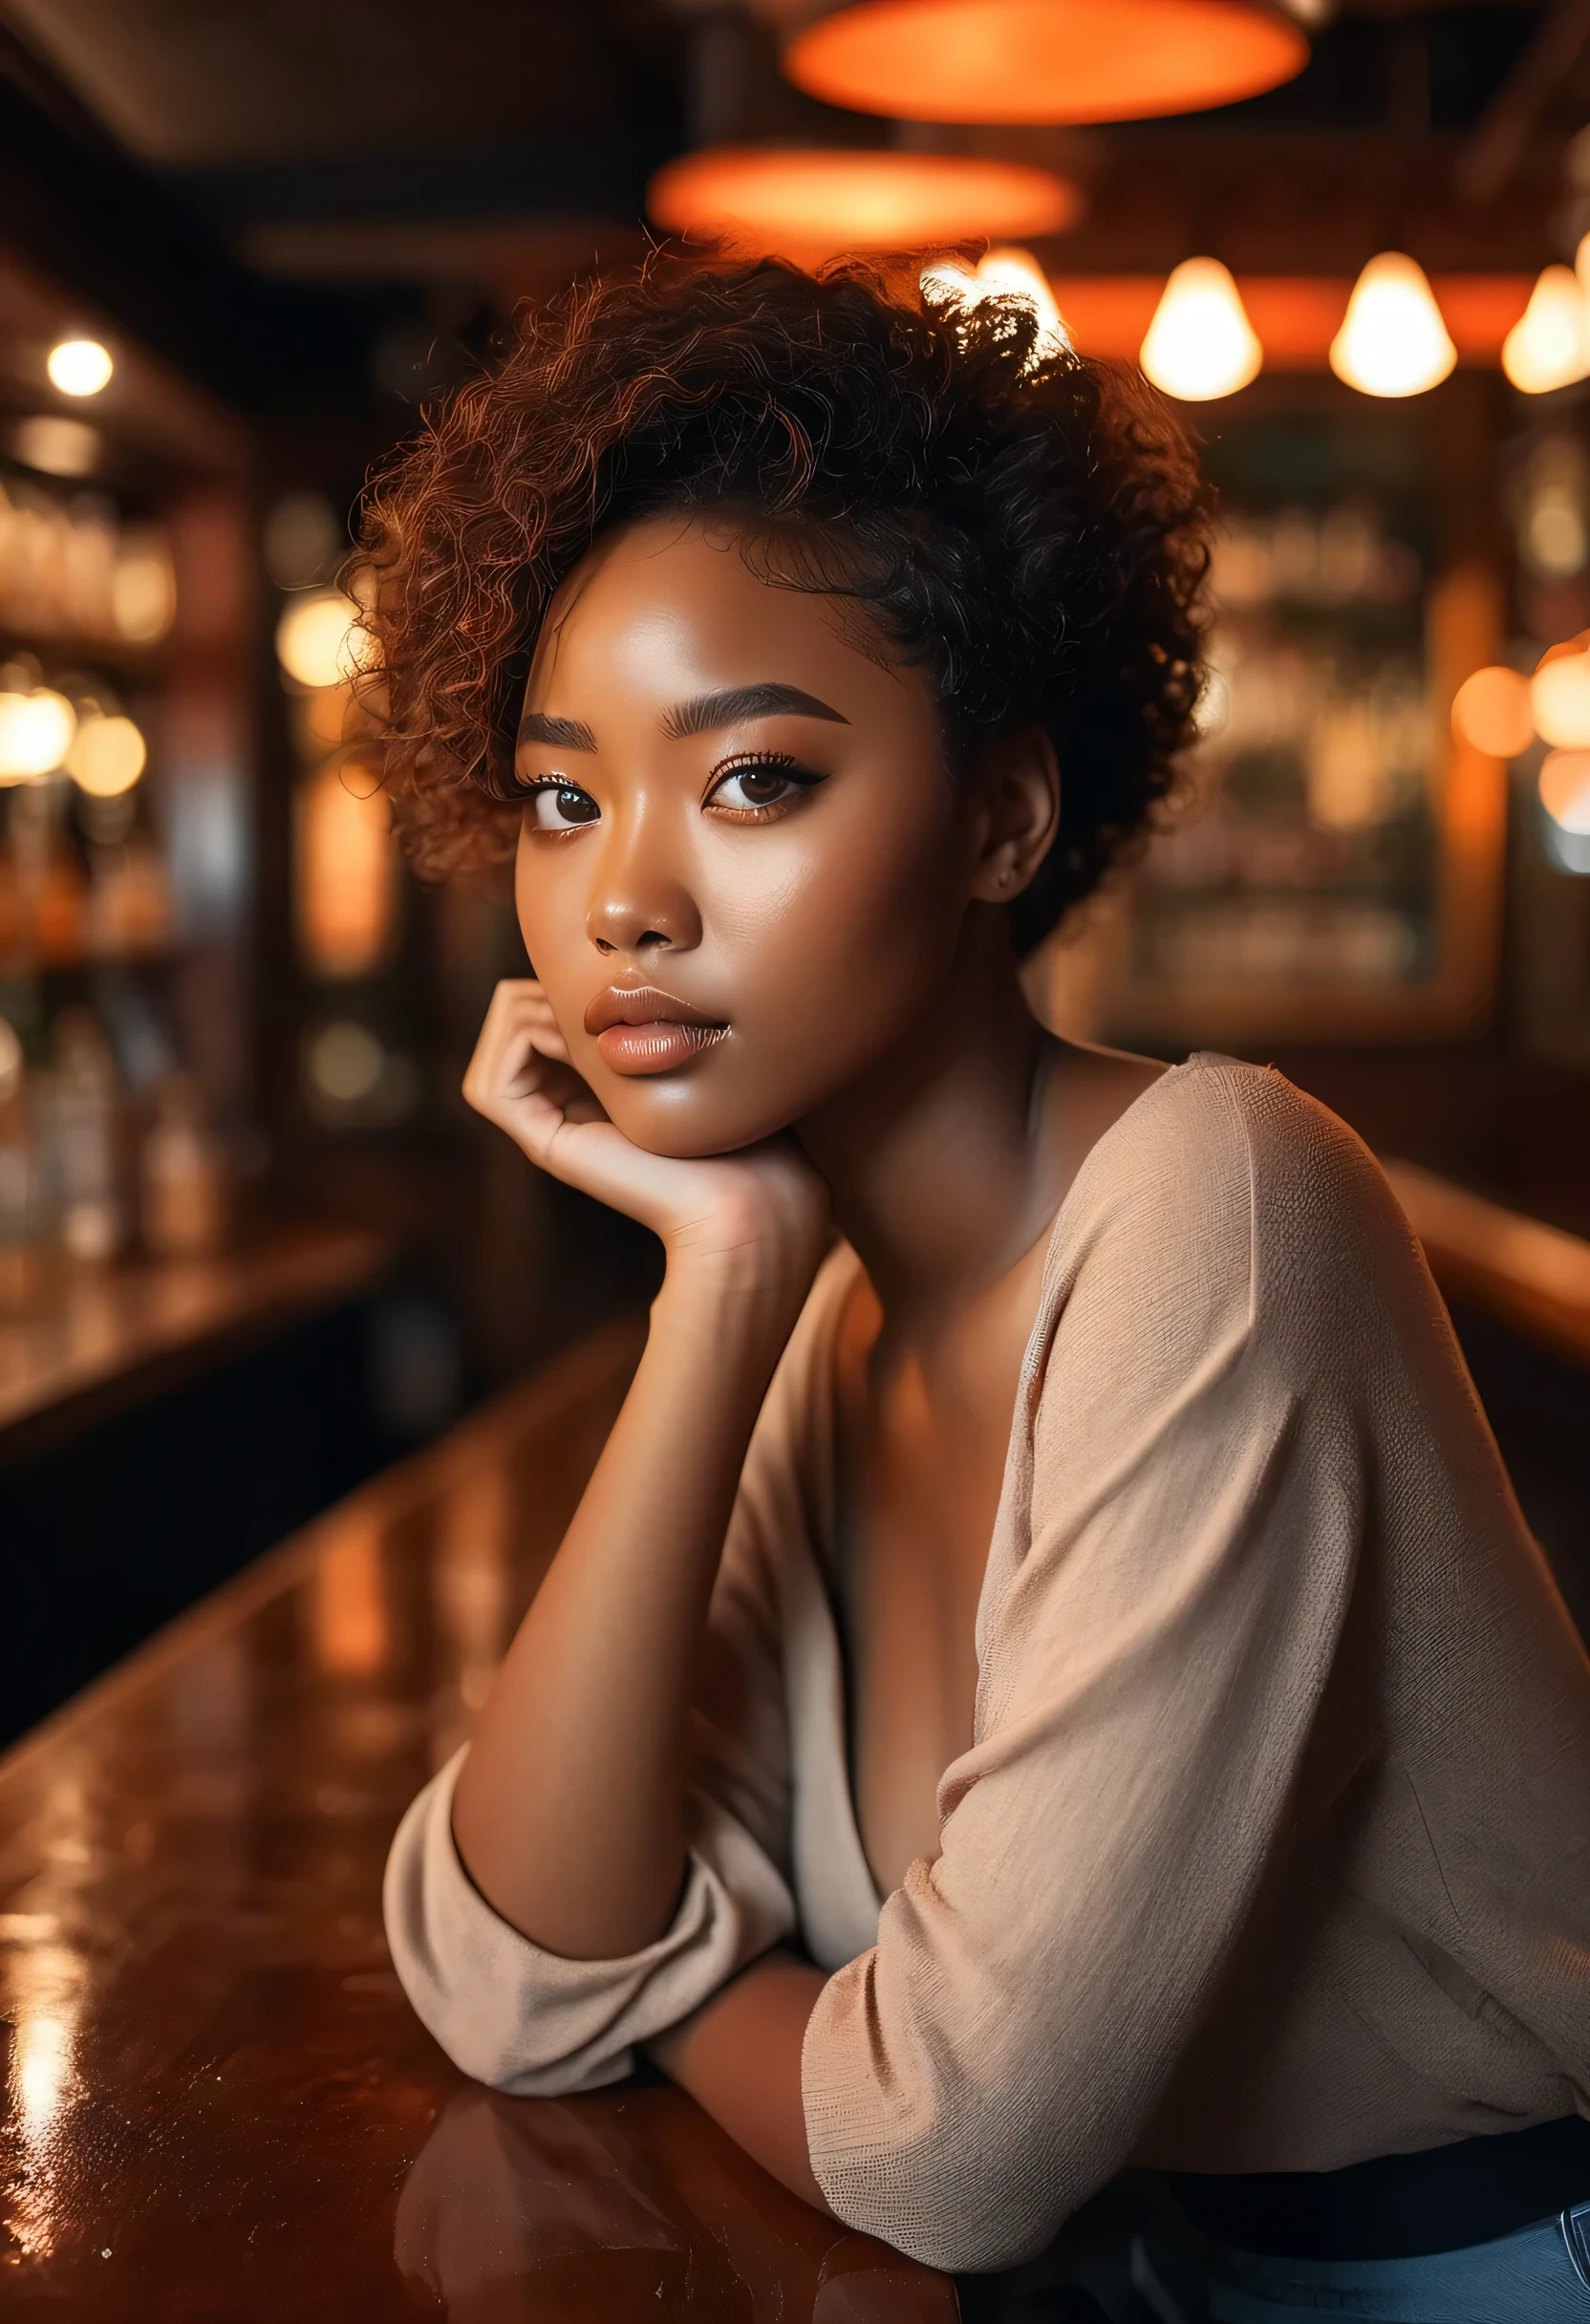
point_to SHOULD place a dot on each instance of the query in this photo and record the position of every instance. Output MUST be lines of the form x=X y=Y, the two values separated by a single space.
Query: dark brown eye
x=761 y=788
x=759 y=784
x=557 y=807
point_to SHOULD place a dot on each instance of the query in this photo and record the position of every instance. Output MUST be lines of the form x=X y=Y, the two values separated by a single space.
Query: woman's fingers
x=520 y=1076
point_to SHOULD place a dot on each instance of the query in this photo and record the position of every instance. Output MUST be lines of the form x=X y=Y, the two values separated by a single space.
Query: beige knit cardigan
x=1271 y=1848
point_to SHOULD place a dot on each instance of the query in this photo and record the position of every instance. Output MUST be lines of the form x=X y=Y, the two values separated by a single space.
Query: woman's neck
x=937 y=1161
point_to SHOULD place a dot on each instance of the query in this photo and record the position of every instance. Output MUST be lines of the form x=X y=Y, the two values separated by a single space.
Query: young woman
x=1048 y=1673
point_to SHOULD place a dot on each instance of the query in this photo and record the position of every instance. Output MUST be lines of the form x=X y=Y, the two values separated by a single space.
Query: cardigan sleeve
x=534 y=2023
x=1155 y=1639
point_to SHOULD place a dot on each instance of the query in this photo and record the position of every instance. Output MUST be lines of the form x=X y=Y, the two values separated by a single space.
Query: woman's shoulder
x=1220 y=1136
x=1226 y=1184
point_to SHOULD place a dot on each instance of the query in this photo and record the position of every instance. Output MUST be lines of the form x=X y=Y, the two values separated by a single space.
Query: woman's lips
x=639 y=1029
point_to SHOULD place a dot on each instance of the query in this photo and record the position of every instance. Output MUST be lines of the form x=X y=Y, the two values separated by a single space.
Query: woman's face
x=743 y=870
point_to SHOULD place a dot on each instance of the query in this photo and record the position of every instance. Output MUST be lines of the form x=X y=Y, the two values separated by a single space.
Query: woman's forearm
x=569 y=1813
x=739 y=2058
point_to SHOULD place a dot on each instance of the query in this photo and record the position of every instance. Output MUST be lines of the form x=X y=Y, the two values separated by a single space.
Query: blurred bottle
x=18 y=1160
x=10 y=903
x=86 y=1121
x=51 y=885
x=129 y=907
x=186 y=1206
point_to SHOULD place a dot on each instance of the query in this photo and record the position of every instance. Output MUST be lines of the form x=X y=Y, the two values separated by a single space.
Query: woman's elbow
x=959 y=2209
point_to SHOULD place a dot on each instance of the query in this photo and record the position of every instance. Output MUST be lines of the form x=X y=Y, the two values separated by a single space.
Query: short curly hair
x=1027 y=527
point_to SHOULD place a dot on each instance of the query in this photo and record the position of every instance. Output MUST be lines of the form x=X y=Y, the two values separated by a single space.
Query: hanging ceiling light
x=1003 y=274
x=1549 y=346
x=1200 y=343
x=1043 y=61
x=1392 y=340
x=812 y=203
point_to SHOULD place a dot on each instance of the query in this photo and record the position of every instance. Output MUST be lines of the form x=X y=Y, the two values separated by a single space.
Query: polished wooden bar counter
x=218 y=2103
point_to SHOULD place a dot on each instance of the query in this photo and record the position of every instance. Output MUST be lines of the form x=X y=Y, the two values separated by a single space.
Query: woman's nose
x=639 y=904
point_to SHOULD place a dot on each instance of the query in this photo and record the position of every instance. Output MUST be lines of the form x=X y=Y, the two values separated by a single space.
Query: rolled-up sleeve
x=533 y=2023
x=1179 y=1541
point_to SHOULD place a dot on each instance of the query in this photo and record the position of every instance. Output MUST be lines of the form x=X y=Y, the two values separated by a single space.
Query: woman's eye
x=562 y=806
x=759 y=784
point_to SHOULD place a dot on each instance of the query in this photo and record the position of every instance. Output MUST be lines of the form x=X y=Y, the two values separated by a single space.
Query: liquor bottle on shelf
x=184 y=1206
x=86 y=1122
x=18 y=1168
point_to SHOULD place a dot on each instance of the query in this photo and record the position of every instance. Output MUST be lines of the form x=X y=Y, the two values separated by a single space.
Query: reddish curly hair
x=1027 y=527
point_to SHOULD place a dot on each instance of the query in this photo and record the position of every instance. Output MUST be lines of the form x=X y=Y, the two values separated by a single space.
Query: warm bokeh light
x=1491 y=711
x=1565 y=790
x=1549 y=346
x=317 y=641
x=1002 y=274
x=1043 y=61
x=55 y=445
x=107 y=757
x=35 y=734
x=144 y=592
x=345 y=875
x=1392 y=340
x=812 y=204
x=1559 y=701
x=79 y=367
x=1200 y=343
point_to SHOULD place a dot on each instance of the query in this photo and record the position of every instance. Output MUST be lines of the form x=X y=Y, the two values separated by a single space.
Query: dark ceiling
x=271 y=191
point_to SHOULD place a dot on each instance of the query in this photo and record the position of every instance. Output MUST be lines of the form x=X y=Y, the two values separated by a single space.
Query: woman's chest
x=923 y=1441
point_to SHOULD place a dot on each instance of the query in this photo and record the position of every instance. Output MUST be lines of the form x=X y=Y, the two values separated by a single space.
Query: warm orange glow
x=345 y=875
x=1565 y=790
x=1549 y=346
x=1295 y=316
x=809 y=204
x=1200 y=343
x=1002 y=274
x=1043 y=61
x=1394 y=340
x=1491 y=711
x=1560 y=698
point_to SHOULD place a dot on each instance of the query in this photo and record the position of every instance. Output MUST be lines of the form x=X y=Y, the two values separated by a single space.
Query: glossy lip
x=640 y=1029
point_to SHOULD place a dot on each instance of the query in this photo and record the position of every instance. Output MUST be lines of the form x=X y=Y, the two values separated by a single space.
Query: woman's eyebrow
x=734 y=703
x=555 y=734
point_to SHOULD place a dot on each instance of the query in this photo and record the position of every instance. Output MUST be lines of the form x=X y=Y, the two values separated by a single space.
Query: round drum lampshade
x=812 y=203
x=1043 y=61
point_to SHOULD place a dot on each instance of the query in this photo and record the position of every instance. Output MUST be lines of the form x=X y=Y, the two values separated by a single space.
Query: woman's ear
x=1016 y=780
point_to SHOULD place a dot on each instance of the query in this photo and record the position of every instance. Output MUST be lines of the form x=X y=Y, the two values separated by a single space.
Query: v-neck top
x=1272 y=1847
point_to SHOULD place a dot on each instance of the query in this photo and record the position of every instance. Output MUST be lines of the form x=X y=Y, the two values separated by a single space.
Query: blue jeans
x=1524 y=2278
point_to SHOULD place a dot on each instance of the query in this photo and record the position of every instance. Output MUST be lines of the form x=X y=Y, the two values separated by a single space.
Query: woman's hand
x=760 y=1216
x=570 y=1809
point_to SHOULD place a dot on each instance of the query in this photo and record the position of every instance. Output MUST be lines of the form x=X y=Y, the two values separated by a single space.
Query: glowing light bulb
x=1559 y=699
x=1565 y=790
x=35 y=734
x=1200 y=343
x=1491 y=711
x=1549 y=346
x=1392 y=340
x=79 y=367
x=317 y=643
x=1004 y=273
x=107 y=757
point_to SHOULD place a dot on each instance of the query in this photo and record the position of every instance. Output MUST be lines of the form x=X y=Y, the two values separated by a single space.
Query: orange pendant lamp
x=1043 y=61
x=811 y=203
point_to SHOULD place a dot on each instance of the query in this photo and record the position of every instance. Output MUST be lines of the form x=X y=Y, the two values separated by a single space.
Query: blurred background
x=253 y=1246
